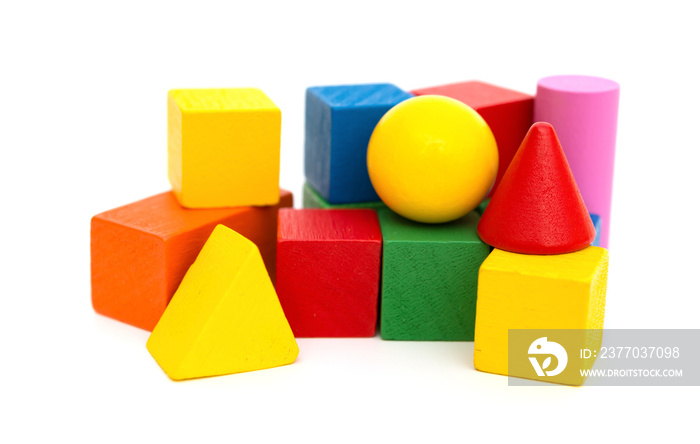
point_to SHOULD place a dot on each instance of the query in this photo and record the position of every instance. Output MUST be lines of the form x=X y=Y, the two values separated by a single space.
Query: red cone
x=538 y=208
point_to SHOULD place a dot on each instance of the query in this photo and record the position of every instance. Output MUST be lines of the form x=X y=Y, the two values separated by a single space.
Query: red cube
x=328 y=269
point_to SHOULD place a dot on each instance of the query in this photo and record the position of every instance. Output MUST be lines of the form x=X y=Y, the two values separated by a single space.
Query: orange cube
x=141 y=251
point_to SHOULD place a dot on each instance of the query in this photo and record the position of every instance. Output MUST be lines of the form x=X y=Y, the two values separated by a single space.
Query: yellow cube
x=223 y=147
x=519 y=291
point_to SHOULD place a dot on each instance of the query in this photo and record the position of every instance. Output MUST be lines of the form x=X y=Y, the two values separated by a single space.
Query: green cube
x=312 y=199
x=429 y=278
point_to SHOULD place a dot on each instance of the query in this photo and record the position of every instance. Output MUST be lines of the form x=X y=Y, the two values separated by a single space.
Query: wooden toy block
x=583 y=110
x=518 y=291
x=225 y=316
x=141 y=251
x=311 y=199
x=596 y=224
x=507 y=112
x=538 y=208
x=223 y=147
x=328 y=269
x=594 y=218
x=429 y=278
x=432 y=159
x=339 y=123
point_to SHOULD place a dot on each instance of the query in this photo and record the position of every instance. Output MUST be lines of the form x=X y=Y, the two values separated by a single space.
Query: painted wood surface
x=225 y=316
x=538 y=208
x=339 y=122
x=141 y=251
x=583 y=111
x=312 y=199
x=432 y=159
x=520 y=291
x=223 y=147
x=507 y=112
x=328 y=270
x=429 y=278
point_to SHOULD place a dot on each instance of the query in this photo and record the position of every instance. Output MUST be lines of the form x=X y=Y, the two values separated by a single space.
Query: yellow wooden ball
x=432 y=159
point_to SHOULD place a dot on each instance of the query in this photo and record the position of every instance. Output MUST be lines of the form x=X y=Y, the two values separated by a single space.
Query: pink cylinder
x=583 y=112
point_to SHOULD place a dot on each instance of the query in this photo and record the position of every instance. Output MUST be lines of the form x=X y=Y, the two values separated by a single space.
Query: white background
x=83 y=129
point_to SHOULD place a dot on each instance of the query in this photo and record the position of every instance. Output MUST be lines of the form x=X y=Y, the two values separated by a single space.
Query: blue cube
x=339 y=123
x=596 y=223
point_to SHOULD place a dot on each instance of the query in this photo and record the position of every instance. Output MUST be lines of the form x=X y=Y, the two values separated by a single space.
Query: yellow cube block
x=519 y=291
x=223 y=147
x=225 y=317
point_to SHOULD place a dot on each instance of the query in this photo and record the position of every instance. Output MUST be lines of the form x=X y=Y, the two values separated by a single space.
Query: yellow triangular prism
x=225 y=317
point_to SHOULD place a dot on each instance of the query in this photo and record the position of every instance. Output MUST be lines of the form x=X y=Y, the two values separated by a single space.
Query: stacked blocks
x=507 y=112
x=550 y=277
x=328 y=269
x=140 y=252
x=225 y=317
x=539 y=209
x=311 y=199
x=223 y=147
x=339 y=123
x=498 y=238
x=429 y=278
x=518 y=291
